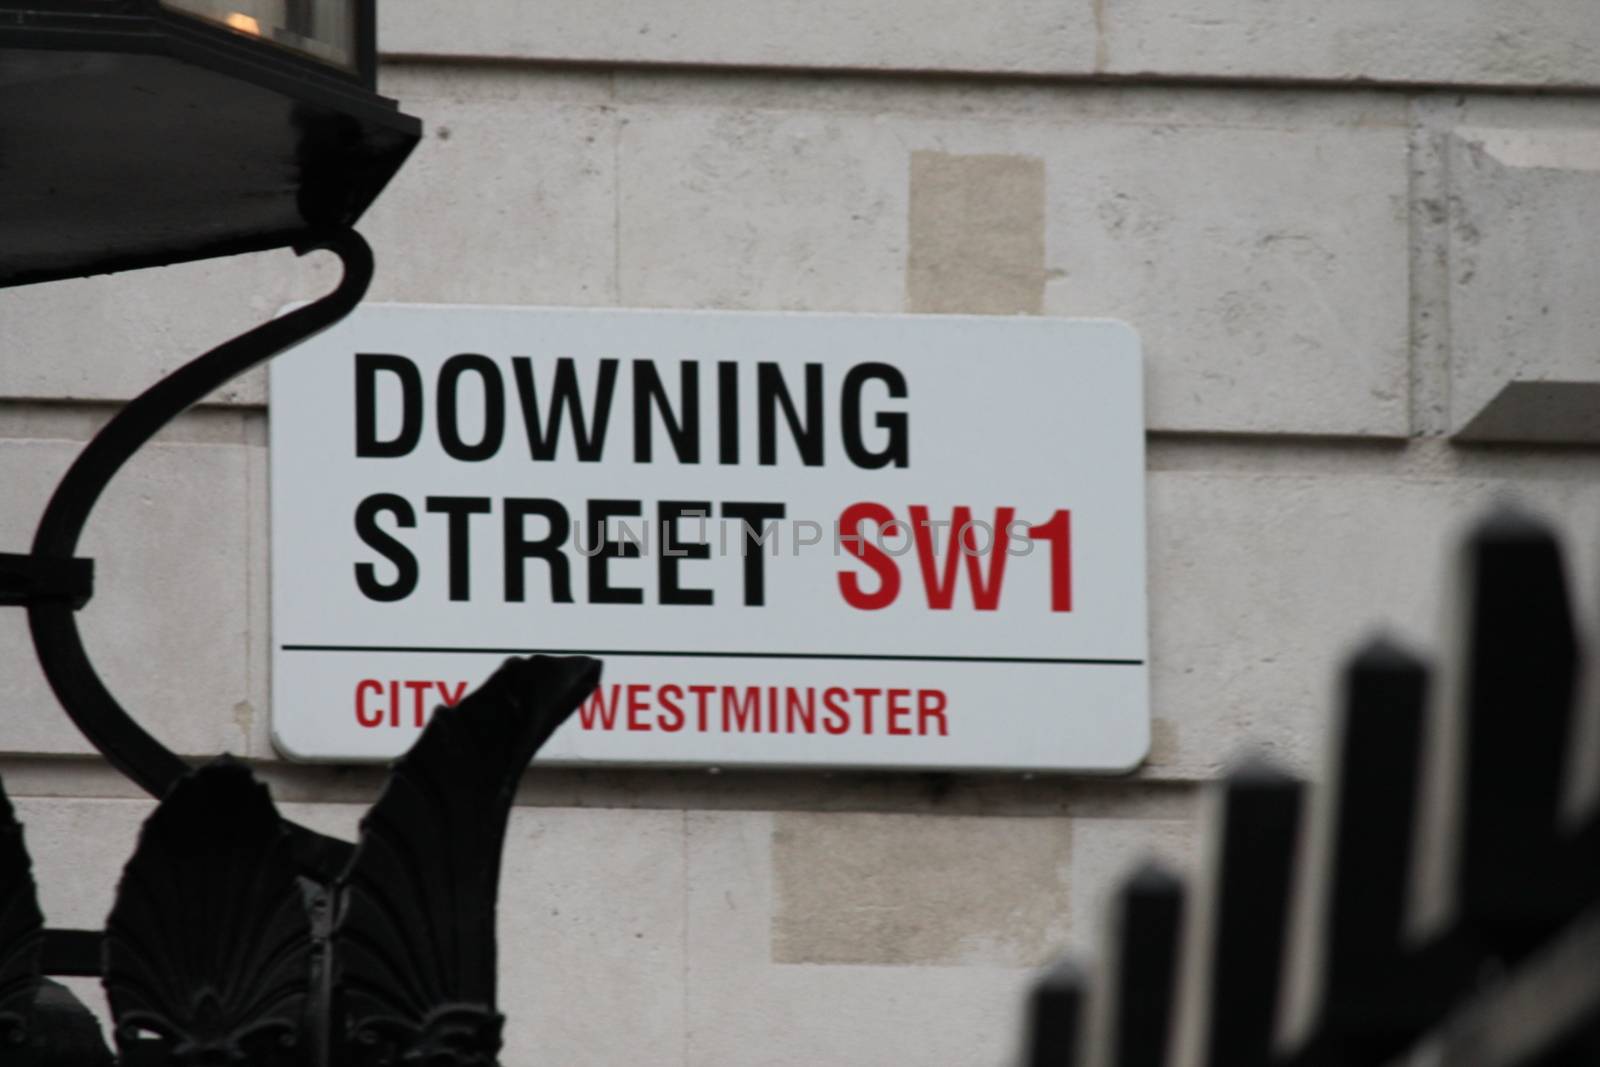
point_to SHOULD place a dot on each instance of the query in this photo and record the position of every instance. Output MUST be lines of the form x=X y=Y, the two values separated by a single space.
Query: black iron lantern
x=338 y=33
x=144 y=132
x=137 y=133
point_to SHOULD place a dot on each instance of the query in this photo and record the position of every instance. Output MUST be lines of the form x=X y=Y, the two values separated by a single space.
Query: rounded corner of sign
x=1128 y=335
x=1135 y=758
x=284 y=748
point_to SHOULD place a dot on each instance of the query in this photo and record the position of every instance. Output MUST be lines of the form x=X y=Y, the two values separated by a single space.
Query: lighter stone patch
x=1549 y=149
x=976 y=234
x=918 y=890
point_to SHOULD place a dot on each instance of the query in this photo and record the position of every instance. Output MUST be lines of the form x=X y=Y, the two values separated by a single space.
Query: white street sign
x=950 y=571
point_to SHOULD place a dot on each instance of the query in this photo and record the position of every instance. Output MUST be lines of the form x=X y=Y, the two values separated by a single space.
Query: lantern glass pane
x=324 y=30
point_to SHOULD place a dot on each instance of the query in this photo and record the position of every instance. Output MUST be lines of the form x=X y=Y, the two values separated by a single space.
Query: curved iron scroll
x=127 y=745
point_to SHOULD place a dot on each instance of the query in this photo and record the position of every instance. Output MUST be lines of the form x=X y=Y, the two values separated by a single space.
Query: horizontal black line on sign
x=710 y=655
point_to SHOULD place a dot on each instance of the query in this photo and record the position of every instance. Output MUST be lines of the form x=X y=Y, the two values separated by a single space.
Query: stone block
x=113 y=336
x=592 y=930
x=914 y=890
x=1466 y=42
x=977 y=225
x=509 y=199
x=1473 y=42
x=780 y=210
x=1261 y=585
x=855 y=1015
x=1014 y=36
x=1522 y=203
x=168 y=628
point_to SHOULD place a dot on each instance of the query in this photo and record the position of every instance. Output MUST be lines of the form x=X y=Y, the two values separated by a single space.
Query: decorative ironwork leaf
x=414 y=940
x=21 y=930
x=208 y=949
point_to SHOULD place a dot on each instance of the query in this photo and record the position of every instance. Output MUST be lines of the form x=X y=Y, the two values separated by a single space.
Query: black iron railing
x=1313 y=938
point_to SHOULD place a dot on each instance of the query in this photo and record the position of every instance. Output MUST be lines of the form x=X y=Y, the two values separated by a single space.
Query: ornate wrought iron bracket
x=52 y=583
x=239 y=937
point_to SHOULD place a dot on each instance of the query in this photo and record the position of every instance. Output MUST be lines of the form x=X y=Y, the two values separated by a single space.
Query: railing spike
x=1055 y=1016
x=1241 y=925
x=1519 y=675
x=1134 y=1017
x=1358 y=881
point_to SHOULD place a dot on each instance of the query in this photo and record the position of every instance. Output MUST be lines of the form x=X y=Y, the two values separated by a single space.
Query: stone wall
x=1361 y=254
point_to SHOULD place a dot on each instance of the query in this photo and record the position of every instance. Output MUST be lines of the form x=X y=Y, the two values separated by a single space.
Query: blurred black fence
x=1435 y=901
